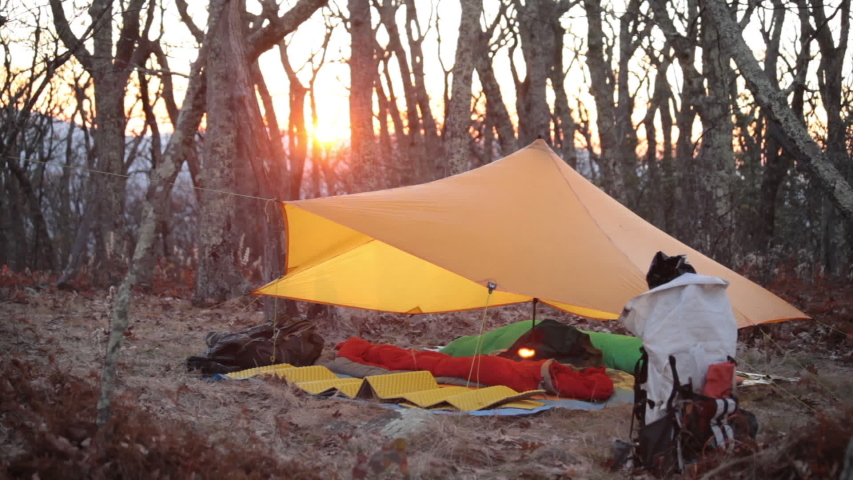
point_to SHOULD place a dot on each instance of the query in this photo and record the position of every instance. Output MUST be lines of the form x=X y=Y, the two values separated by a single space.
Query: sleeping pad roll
x=620 y=352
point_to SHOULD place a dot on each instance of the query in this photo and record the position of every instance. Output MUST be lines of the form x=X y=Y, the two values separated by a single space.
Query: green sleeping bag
x=497 y=339
x=620 y=352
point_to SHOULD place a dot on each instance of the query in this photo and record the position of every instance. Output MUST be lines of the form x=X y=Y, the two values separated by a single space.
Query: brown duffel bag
x=296 y=343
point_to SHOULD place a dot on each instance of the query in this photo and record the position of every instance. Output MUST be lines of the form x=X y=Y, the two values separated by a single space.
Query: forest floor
x=169 y=423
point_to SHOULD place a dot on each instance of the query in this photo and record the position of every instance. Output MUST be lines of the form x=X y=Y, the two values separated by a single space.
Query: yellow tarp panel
x=347 y=386
x=395 y=385
x=528 y=223
x=408 y=283
x=273 y=369
x=488 y=397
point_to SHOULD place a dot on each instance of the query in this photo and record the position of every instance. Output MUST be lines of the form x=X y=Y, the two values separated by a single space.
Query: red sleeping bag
x=587 y=384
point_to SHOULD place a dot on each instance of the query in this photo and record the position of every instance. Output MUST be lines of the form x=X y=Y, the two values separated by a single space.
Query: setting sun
x=330 y=132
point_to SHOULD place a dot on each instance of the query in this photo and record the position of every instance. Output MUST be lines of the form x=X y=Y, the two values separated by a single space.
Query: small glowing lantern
x=526 y=352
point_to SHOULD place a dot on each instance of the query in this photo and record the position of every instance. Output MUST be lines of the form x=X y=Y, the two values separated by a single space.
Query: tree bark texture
x=457 y=135
x=155 y=205
x=716 y=155
x=613 y=104
x=495 y=106
x=432 y=143
x=799 y=143
x=565 y=134
x=685 y=171
x=255 y=150
x=777 y=162
x=217 y=278
x=297 y=134
x=215 y=47
x=363 y=156
x=110 y=73
x=536 y=20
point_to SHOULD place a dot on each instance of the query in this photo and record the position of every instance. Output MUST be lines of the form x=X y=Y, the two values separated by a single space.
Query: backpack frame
x=691 y=424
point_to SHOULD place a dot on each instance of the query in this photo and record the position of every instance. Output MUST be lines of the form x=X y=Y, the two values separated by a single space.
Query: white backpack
x=687 y=325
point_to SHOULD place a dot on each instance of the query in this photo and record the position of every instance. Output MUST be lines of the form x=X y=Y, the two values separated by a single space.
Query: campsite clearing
x=62 y=335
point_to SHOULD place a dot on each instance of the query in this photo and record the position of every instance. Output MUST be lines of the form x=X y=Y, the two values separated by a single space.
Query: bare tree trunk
x=797 y=140
x=64 y=218
x=217 y=278
x=716 y=155
x=110 y=73
x=90 y=213
x=495 y=107
x=255 y=149
x=409 y=146
x=562 y=111
x=459 y=114
x=632 y=31
x=387 y=15
x=602 y=87
x=162 y=179
x=685 y=177
x=277 y=164
x=830 y=78
x=362 y=75
x=46 y=252
x=432 y=143
x=155 y=205
x=385 y=148
x=658 y=104
x=535 y=21
x=297 y=135
x=13 y=225
x=777 y=162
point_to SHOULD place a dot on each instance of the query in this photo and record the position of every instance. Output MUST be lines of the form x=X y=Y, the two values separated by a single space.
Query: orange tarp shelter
x=528 y=224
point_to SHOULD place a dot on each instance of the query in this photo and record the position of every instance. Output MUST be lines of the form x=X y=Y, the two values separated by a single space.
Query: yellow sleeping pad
x=243 y=374
x=429 y=398
x=394 y=386
x=307 y=374
x=621 y=379
x=525 y=404
x=488 y=397
x=414 y=389
x=346 y=386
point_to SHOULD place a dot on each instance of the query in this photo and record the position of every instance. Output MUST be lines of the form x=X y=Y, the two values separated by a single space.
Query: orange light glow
x=329 y=133
x=526 y=352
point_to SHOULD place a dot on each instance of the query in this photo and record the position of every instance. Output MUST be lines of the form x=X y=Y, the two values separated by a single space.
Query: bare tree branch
x=196 y=32
x=266 y=38
x=797 y=139
x=72 y=43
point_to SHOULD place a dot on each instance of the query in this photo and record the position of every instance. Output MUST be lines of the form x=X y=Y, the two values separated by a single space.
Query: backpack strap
x=641 y=376
x=676 y=412
x=676 y=384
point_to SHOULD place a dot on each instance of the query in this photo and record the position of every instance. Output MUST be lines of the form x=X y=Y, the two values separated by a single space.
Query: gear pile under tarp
x=587 y=384
x=620 y=352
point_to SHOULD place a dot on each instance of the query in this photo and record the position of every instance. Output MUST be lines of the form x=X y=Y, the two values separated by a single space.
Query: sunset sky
x=438 y=16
